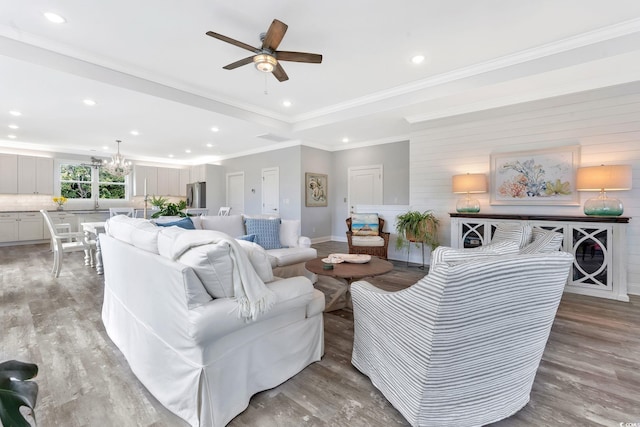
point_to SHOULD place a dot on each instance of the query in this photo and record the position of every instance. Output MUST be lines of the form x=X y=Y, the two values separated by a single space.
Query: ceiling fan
x=266 y=58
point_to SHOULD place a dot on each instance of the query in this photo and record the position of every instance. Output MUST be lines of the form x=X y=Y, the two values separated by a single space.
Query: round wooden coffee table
x=348 y=273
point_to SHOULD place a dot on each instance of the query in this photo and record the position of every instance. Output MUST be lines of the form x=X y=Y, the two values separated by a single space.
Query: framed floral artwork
x=540 y=177
x=316 y=189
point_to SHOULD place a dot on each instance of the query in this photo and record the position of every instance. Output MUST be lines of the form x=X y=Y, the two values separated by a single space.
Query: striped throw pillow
x=519 y=233
x=443 y=255
x=544 y=241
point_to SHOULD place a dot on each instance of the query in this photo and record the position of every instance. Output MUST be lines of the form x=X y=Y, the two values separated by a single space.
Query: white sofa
x=287 y=261
x=191 y=351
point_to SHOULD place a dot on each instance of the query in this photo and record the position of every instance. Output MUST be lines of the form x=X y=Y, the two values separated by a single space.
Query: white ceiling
x=150 y=67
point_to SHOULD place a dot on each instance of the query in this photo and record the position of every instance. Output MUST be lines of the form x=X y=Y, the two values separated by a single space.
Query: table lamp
x=603 y=178
x=469 y=183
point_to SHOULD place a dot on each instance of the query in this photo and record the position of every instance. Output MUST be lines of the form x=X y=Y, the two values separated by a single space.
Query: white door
x=235 y=192
x=365 y=186
x=271 y=191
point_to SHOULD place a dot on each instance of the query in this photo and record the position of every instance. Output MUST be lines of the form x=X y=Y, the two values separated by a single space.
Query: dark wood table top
x=351 y=271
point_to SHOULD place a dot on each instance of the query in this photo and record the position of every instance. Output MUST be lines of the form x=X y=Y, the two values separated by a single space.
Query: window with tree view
x=80 y=181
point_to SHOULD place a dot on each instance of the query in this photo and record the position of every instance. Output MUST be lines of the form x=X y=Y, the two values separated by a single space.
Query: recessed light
x=214 y=129
x=170 y=155
x=187 y=151
x=15 y=113
x=12 y=136
x=14 y=127
x=209 y=145
x=418 y=59
x=89 y=102
x=134 y=133
x=286 y=103
x=105 y=148
x=345 y=139
x=55 y=18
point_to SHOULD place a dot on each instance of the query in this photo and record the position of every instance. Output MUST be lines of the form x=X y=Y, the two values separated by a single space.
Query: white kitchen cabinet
x=8 y=227
x=148 y=173
x=35 y=175
x=198 y=173
x=183 y=180
x=8 y=173
x=598 y=245
x=163 y=181
x=21 y=226
x=174 y=181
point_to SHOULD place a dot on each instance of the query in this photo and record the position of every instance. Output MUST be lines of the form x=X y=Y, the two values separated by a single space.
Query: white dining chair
x=130 y=212
x=63 y=240
x=224 y=211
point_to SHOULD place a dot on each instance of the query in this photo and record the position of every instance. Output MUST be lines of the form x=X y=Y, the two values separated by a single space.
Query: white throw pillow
x=138 y=232
x=213 y=266
x=259 y=259
x=233 y=225
x=166 y=237
x=519 y=233
x=289 y=232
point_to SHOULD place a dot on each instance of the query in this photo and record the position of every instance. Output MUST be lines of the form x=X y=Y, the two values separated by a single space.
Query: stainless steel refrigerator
x=197 y=195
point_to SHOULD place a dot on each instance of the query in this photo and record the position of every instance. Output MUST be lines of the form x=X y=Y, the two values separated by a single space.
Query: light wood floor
x=590 y=373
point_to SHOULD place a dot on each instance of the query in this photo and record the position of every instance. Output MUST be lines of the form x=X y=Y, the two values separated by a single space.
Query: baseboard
x=633 y=288
x=342 y=239
x=321 y=239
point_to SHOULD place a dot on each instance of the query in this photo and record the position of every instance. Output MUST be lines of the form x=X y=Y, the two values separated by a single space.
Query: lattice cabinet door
x=591 y=247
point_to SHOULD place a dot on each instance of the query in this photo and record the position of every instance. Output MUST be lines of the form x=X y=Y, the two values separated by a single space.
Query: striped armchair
x=462 y=346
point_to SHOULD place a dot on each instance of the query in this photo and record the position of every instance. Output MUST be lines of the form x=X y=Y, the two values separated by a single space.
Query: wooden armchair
x=357 y=244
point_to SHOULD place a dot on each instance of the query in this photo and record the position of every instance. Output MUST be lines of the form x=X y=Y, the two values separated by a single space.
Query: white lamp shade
x=607 y=178
x=470 y=183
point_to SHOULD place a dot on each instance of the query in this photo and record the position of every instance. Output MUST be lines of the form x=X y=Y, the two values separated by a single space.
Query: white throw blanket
x=252 y=294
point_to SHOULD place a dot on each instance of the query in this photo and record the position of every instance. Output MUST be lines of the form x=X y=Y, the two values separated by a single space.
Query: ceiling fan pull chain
x=266 y=85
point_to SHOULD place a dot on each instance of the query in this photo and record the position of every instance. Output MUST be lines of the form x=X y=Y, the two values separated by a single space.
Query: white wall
x=605 y=123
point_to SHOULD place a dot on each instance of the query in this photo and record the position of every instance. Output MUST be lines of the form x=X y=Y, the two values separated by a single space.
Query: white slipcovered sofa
x=200 y=356
x=287 y=260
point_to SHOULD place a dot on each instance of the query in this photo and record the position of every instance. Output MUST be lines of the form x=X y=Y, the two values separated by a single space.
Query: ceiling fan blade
x=274 y=35
x=279 y=73
x=232 y=41
x=313 y=58
x=239 y=63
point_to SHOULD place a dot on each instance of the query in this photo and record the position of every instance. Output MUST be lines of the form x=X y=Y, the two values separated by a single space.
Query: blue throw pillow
x=185 y=223
x=267 y=232
x=247 y=237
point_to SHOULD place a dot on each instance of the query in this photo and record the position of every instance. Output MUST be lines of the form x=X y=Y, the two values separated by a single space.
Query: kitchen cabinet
x=8 y=173
x=21 y=226
x=142 y=173
x=160 y=181
x=35 y=175
x=598 y=245
x=198 y=173
x=183 y=180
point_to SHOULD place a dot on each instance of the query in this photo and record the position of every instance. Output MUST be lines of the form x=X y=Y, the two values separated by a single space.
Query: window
x=79 y=181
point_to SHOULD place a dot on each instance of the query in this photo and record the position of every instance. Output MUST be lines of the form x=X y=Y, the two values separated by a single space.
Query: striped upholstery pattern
x=516 y=232
x=444 y=254
x=544 y=241
x=461 y=346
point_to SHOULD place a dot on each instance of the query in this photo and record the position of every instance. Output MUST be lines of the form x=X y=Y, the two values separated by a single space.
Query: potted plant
x=417 y=227
x=158 y=202
x=16 y=391
x=171 y=209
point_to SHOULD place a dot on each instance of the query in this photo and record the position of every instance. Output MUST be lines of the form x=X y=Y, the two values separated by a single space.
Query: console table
x=598 y=245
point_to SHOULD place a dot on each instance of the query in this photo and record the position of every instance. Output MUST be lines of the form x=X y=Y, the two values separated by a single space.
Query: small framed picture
x=316 y=190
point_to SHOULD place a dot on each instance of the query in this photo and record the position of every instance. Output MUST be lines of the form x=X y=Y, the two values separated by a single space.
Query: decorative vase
x=60 y=208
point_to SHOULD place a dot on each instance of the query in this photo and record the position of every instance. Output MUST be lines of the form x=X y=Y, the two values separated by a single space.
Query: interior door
x=235 y=192
x=271 y=190
x=365 y=186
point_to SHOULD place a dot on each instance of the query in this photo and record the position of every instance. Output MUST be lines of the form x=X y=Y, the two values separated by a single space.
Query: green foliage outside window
x=76 y=182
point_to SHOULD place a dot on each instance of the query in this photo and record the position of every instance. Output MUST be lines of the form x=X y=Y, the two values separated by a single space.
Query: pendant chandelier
x=118 y=166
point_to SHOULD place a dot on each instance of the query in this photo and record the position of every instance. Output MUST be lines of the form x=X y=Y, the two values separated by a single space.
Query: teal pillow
x=185 y=223
x=247 y=237
x=267 y=231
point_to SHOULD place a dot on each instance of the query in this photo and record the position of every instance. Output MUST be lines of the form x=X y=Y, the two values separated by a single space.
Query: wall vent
x=274 y=138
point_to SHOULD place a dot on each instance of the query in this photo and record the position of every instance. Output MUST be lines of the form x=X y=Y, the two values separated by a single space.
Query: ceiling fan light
x=264 y=62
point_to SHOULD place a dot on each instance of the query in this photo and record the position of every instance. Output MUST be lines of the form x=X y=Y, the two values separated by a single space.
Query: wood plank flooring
x=590 y=373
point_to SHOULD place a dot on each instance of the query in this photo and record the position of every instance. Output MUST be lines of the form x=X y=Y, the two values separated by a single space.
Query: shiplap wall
x=605 y=123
